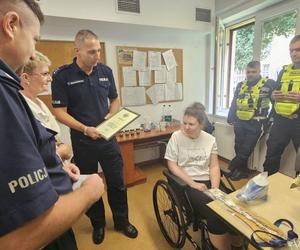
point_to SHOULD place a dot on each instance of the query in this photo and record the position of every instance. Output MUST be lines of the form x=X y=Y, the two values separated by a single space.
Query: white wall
x=161 y=13
x=193 y=43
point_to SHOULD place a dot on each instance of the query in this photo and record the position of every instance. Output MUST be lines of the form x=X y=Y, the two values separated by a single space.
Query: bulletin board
x=60 y=53
x=125 y=59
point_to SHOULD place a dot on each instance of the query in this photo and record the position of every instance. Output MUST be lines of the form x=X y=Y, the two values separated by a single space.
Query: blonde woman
x=35 y=79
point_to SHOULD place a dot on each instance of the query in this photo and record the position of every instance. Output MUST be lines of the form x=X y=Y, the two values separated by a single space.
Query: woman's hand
x=64 y=151
x=199 y=186
x=72 y=170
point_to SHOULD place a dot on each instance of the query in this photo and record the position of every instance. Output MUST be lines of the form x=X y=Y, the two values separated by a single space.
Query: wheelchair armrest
x=173 y=178
x=223 y=171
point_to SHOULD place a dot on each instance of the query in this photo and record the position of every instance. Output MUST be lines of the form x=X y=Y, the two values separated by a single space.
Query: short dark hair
x=84 y=34
x=197 y=110
x=35 y=7
x=31 y=4
x=296 y=38
x=254 y=65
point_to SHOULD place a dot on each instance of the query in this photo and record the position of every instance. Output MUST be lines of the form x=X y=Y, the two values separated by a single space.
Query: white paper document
x=154 y=60
x=133 y=96
x=156 y=93
x=173 y=91
x=129 y=76
x=160 y=75
x=172 y=75
x=169 y=59
x=78 y=183
x=139 y=60
x=145 y=77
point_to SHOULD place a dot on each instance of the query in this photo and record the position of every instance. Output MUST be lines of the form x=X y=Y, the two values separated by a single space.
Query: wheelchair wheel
x=169 y=215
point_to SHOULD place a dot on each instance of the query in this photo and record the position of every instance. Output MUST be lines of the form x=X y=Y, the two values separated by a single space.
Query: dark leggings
x=199 y=200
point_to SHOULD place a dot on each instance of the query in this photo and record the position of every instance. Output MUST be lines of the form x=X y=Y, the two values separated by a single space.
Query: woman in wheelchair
x=192 y=156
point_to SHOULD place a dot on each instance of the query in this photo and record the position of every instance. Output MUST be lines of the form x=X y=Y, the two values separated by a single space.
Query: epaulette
x=61 y=68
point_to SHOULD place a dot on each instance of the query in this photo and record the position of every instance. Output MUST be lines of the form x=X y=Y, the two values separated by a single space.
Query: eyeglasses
x=295 y=50
x=44 y=74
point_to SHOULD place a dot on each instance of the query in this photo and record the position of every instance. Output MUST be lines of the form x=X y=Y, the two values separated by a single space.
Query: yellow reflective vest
x=249 y=101
x=290 y=82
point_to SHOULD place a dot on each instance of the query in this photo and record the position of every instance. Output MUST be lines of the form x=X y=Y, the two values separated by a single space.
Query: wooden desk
x=282 y=202
x=132 y=173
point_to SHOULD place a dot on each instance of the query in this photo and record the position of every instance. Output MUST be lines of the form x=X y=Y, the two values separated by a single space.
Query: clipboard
x=116 y=122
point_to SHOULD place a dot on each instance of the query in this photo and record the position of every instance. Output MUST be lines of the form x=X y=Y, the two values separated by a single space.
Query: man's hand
x=277 y=95
x=293 y=96
x=199 y=186
x=72 y=170
x=92 y=133
x=95 y=185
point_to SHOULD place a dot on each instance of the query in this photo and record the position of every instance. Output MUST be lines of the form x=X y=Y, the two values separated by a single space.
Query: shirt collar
x=254 y=81
x=8 y=73
x=78 y=69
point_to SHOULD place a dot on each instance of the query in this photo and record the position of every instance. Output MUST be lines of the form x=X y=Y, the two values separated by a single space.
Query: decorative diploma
x=115 y=123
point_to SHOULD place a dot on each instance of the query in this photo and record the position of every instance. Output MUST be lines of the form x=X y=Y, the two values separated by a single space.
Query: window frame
x=230 y=31
x=259 y=18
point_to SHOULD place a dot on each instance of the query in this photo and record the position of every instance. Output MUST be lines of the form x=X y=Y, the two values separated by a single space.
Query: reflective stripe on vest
x=290 y=82
x=248 y=100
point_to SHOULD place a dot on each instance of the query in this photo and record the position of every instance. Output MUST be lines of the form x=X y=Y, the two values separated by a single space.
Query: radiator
x=225 y=140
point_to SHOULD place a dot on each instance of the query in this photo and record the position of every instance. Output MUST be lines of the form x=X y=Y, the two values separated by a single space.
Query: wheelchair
x=175 y=215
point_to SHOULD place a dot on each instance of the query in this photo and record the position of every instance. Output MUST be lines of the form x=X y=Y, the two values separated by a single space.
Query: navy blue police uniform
x=248 y=132
x=86 y=99
x=284 y=130
x=32 y=177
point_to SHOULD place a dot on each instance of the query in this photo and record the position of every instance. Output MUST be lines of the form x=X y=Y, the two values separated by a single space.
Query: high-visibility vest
x=249 y=101
x=290 y=82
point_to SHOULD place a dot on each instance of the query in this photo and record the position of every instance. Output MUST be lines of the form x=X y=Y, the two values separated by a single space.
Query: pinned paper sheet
x=129 y=76
x=145 y=77
x=133 y=96
x=169 y=58
x=173 y=91
x=139 y=60
x=160 y=76
x=172 y=75
x=156 y=93
x=154 y=60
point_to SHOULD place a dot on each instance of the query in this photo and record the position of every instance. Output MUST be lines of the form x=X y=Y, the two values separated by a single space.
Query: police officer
x=32 y=204
x=248 y=113
x=80 y=95
x=286 y=124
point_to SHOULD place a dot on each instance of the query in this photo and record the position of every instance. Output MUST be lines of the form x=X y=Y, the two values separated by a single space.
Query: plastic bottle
x=168 y=116
x=163 y=113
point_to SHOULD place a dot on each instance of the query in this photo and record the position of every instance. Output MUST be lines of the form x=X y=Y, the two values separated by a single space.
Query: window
x=265 y=37
x=276 y=35
x=238 y=52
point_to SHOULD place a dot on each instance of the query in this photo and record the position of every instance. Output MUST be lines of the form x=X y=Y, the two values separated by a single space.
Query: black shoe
x=128 y=229
x=228 y=172
x=238 y=175
x=98 y=235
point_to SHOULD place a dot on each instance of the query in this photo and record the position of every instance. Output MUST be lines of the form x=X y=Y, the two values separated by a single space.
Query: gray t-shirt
x=192 y=155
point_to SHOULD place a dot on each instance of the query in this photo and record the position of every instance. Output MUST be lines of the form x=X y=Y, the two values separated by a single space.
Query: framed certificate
x=115 y=123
